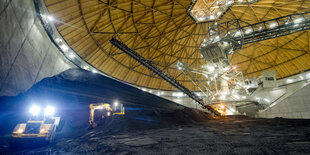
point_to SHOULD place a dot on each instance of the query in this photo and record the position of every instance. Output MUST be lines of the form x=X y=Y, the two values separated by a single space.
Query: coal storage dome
x=164 y=32
x=65 y=89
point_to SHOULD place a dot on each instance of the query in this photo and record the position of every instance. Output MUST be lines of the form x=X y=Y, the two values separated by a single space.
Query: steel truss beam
x=150 y=65
x=247 y=33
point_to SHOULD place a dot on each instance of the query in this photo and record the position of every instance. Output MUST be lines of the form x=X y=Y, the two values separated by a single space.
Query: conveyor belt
x=150 y=65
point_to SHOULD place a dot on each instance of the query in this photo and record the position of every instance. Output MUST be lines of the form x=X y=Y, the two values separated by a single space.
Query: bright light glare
x=222 y=106
x=49 y=111
x=266 y=100
x=50 y=18
x=42 y=130
x=116 y=103
x=210 y=68
x=71 y=55
x=20 y=130
x=85 y=67
x=222 y=97
x=289 y=80
x=236 y=96
x=178 y=94
x=58 y=40
x=64 y=47
x=226 y=69
x=273 y=25
x=298 y=20
x=237 y=34
x=248 y=31
x=226 y=78
x=35 y=110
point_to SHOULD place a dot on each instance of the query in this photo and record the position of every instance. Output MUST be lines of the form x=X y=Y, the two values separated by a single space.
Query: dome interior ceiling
x=163 y=31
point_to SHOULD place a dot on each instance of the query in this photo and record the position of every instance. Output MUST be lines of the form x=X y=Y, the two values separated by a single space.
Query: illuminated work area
x=154 y=77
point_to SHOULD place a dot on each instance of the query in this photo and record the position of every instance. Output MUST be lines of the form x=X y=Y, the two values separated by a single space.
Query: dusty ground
x=229 y=135
x=152 y=125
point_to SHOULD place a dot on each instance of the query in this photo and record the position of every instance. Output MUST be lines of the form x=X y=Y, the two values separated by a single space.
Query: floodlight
x=273 y=25
x=222 y=97
x=20 y=130
x=116 y=103
x=50 y=18
x=35 y=110
x=64 y=47
x=100 y=107
x=289 y=80
x=248 y=31
x=71 y=55
x=298 y=20
x=210 y=68
x=266 y=100
x=49 y=111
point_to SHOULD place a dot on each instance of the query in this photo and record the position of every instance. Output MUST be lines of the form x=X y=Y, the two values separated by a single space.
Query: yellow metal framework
x=104 y=106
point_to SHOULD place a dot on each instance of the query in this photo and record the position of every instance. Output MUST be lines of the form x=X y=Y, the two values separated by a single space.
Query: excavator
x=99 y=112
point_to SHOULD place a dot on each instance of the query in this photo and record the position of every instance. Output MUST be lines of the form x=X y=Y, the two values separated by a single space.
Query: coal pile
x=72 y=91
x=151 y=125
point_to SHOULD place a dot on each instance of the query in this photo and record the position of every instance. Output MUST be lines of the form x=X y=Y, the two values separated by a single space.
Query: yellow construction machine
x=101 y=111
x=40 y=127
x=219 y=107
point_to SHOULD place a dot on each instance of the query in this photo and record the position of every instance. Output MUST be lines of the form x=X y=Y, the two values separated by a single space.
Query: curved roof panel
x=163 y=31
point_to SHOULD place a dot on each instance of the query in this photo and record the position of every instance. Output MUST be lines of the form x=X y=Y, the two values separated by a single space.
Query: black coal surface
x=72 y=91
x=152 y=125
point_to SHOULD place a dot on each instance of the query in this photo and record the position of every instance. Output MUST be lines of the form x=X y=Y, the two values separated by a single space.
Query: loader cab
x=100 y=112
x=40 y=127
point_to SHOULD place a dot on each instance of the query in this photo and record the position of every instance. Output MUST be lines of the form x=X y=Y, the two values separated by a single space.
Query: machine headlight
x=49 y=111
x=35 y=110
x=116 y=103
x=42 y=130
x=20 y=130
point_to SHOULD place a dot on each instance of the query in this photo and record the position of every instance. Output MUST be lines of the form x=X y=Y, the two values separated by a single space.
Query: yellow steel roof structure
x=163 y=31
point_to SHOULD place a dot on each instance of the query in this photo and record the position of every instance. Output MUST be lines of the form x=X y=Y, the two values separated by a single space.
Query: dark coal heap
x=72 y=91
x=151 y=125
